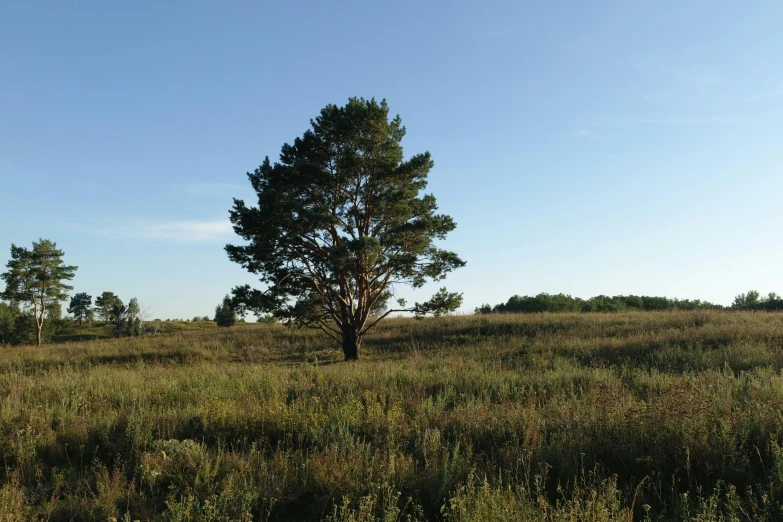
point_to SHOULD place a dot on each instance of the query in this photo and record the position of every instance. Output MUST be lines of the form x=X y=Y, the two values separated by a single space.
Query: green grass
x=670 y=416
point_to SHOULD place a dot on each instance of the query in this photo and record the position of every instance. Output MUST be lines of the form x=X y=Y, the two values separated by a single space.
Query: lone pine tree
x=340 y=221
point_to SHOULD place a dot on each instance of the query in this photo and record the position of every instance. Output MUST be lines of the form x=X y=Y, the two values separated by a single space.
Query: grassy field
x=579 y=417
x=99 y=330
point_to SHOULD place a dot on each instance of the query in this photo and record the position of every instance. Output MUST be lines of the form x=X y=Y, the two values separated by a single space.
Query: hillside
x=98 y=330
x=665 y=415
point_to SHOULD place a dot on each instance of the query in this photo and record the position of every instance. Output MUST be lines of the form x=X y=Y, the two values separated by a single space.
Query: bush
x=26 y=331
x=224 y=313
x=8 y=316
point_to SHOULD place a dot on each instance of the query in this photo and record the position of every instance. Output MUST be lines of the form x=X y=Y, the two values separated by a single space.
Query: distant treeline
x=603 y=303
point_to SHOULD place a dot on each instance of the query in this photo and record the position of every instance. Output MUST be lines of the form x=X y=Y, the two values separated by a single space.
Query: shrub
x=224 y=313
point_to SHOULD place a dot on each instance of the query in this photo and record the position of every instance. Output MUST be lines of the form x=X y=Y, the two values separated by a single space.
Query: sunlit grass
x=673 y=415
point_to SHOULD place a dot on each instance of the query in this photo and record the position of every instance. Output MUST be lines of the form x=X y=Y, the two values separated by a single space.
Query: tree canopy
x=117 y=315
x=545 y=302
x=340 y=221
x=753 y=300
x=36 y=279
x=133 y=317
x=80 y=306
x=224 y=313
x=104 y=304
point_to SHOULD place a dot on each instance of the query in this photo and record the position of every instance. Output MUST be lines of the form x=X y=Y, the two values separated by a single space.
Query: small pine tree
x=224 y=313
x=118 y=313
x=37 y=278
x=104 y=304
x=80 y=306
x=136 y=326
x=133 y=318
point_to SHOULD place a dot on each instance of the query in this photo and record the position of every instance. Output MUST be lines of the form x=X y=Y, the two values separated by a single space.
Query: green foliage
x=133 y=310
x=565 y=303
x=134 y=326
x=36 y=279
x=441 y=303
x=224 y=313
x=54 y=312
x=267 y=319
x=8 y=315
x=132 y=318
x=25 y=330
x=341 y=219
x=80 y=306
x=754 y=301
x=746 y=301
x=104 y=304
x=117 y=315
x=63 y=326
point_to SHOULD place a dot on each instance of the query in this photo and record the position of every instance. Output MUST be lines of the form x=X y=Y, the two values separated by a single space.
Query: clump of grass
x=588 y=498
x=13 y=503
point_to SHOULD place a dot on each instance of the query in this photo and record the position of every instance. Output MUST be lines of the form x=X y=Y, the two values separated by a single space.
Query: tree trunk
x=39 y=334
x=351 y=343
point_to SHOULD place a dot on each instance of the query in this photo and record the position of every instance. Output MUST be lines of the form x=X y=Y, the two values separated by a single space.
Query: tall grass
x=658 y=416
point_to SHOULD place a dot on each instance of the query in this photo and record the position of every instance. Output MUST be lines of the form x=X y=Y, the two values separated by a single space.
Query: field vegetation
x=674 y=415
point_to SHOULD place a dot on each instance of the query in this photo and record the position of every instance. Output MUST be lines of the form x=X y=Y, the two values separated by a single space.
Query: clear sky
x=581 y=147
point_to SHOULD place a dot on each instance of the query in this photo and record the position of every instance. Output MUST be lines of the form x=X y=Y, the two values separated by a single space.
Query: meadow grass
x=627 y=416
x=97 y=330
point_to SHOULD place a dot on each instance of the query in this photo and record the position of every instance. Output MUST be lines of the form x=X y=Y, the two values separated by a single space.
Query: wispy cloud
x=180 y=230
x=190 y=230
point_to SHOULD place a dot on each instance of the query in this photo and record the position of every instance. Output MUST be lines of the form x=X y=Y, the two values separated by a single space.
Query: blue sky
x=582 y=147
